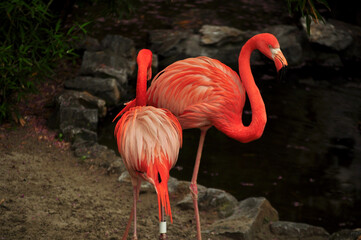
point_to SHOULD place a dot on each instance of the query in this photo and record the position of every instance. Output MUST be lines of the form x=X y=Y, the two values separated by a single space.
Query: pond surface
x=308 y=161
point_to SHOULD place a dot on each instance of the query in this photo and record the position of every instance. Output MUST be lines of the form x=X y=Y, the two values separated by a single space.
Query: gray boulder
x=77 y=115
x=119 y=45
x=296 y=231
x=70 y=98
x=88 y=43
x=353 y=52
x=328 y=35
x=211 y=199
x=223 y=43
x=106 y=64
x=218 y=35
x=104 y=88
x=250 y=216
x=347 y=234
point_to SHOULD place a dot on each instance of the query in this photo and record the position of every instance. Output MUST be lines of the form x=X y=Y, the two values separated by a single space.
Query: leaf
x=308 y=24
x=324 y=2
x=22 y=121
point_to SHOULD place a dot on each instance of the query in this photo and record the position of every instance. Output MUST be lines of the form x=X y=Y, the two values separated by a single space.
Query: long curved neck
x=141 y=91
x=259 y=118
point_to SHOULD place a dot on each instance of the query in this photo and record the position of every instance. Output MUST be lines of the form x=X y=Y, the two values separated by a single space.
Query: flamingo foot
x=163 y=236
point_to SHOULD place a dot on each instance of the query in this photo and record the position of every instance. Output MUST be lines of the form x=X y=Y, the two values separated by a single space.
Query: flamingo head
x=268 y=44
x=145 y=57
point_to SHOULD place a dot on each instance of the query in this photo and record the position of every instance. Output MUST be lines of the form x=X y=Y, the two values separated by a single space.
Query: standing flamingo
x=203 y=92
x=148 y=140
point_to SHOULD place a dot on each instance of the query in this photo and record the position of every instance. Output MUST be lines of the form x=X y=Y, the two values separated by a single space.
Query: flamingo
x=148 y=140
x=203 y=92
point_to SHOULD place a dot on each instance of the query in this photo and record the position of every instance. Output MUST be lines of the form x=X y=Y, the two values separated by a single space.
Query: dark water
x=307 y=163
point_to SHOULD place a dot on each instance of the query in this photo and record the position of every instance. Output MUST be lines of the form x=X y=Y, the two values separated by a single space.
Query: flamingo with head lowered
x=148 y=140
x=203 y=92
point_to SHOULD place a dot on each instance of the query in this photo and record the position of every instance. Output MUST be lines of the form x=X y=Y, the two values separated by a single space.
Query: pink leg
x=135 y=200
x=125 y=235
x=133 y=213
x=193 y=187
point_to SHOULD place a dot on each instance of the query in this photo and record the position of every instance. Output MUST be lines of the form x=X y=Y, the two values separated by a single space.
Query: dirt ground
x=47 y=193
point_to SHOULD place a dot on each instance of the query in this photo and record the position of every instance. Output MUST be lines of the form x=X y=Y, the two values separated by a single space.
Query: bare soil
x=47 y=193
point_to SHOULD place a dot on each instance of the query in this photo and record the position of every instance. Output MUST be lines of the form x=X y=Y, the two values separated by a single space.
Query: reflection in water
x=307 y=163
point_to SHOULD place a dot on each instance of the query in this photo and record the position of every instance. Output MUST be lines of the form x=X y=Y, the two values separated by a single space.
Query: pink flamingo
x=203 y=92
x=148 y=140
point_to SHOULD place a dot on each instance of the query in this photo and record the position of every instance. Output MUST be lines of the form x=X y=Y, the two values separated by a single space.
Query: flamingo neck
x=259 y=118
x=141 y=96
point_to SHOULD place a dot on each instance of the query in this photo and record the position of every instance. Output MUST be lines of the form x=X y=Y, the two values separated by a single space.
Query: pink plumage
x=148 y=140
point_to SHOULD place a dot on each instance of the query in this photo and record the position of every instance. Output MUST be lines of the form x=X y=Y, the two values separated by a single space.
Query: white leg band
x=163 y=227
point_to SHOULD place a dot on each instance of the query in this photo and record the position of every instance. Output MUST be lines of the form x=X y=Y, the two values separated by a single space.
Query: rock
x=178 y=187
x=328 y=35
x=99 y=155
x=353 y=52
x=77 y=116
x=174 y=45
x=295 y=231
x=223 y=202
x=250 y=217
x=106 y=64
x=347 y=234
x=187 y=202
x=104 y=88
x=70 y=98
x=116 y=166
x=210 y=199
x=119 y=45
x=89 y=43
x=168 y=43
x=77 y=135
x=218 y=34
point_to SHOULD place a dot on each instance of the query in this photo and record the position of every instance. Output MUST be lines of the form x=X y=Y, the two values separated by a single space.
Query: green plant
x=308 y=9
x=31 y=42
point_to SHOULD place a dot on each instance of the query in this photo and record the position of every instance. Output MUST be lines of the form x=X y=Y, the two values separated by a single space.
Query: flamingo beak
x=280 y=62
x=279 y=59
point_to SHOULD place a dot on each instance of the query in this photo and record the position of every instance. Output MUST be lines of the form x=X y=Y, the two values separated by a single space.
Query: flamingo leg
x=193 y=187
x=162 y=226
x=136 y=189
x=125 y=235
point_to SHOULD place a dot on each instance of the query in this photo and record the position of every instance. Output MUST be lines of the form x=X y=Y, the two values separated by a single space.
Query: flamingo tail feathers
x=129 y=105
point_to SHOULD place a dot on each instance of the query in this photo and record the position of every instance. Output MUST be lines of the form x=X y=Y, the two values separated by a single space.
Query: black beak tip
x=281 y=73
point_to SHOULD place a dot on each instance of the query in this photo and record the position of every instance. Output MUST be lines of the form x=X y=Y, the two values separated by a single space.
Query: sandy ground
x=47 y=193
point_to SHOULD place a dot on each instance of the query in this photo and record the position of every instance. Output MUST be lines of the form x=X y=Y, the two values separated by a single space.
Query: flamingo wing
x=195 y=89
